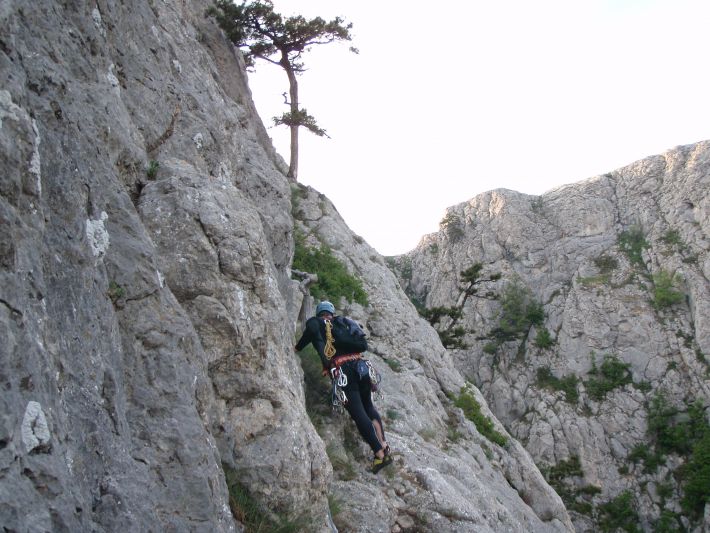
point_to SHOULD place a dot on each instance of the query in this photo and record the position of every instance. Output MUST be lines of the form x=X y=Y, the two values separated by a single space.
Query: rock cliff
x=147 y=310
x=592 y=346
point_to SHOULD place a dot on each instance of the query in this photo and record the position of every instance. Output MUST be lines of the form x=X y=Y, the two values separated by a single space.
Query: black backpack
x=348 y=336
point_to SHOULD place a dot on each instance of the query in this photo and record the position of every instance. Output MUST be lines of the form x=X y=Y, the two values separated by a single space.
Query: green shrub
x=543 y=339
x=341 y=463
x=255 y=517
x=567 y=384
x=606 y=264
x=472 y=410
x=519 y=312
x=696 y=489
x=334 y=280
x=335 y=505
x=665 y=293
x=612 y=374
x=298 y=192
x=684 y=432
x=590 y=281
x=633 y=243
x=453 y=337
x=115 y=291
x=490 y=348
x=651 y=459
x=405 y=268
x=435 y=314
x=453 y=226
x=537 y=205
x=669 y=522
x=672 y=238
x=643 y=386
x=674 y=430
x=395 y=365
x=454 y=435
x=558 y=477
x=152 y=171
x=619 y=513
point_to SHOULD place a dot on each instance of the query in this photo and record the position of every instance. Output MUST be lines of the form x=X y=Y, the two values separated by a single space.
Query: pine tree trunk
x=293 y=92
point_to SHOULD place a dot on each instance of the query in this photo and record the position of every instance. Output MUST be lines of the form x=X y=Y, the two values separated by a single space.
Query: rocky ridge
x=619 y=265
x=148 y=313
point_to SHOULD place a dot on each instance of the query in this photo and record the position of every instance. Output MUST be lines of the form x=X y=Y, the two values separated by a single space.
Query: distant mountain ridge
x=620 y=265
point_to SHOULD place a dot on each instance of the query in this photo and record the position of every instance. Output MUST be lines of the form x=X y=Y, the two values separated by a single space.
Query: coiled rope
x=329 y=349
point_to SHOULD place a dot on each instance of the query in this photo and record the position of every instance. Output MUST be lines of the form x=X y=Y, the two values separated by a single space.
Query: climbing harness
x=339 y=379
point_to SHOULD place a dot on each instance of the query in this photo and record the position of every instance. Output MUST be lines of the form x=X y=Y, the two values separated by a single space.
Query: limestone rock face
x=595 y=255
x=144 y=255
x=447 y=476
x=147 y=310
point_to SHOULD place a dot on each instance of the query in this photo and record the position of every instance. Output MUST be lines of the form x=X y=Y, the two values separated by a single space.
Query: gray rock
x=564 y=246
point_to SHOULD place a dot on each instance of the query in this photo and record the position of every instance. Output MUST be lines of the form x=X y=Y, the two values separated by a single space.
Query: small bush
x=454 y=435
x=558 y=476
x=696 y=489
x=606 y=264
x=669 y=522
x=395 y=365
x=665 y=293
x=651 y=459
x=152 y=171
x=519 y=312
x=490 y=348
x=342 y=465
x=567 y=384
x=453 y=226
x=672 y=238
x=452 y=338
x=392 y=414
x=335 y=505
x=435 y=314
x=334 y=280
x=472 y=410
x=674 y=430
x=633 y=243
x=619 y=513
x=590 y=281
x=643 y=386
x=115 y=291
x=543 y=339
x=255 y=517
x=612 y=374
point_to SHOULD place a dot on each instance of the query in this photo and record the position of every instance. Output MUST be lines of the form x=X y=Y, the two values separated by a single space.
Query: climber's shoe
x=378 y=464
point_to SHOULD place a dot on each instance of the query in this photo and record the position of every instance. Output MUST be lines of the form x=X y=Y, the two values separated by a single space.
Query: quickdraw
x=339 y=380
x=375 y=380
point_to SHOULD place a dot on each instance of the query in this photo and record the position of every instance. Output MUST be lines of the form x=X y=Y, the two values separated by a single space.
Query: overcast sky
x=448 y=100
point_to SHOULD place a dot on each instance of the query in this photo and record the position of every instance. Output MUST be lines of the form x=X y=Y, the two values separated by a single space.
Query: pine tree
x=263 y=34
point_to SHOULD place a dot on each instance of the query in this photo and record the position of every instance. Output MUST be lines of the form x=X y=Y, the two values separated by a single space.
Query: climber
x=347 y=367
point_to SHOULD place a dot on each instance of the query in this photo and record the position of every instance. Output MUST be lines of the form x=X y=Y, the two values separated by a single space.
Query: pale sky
x=450 y=99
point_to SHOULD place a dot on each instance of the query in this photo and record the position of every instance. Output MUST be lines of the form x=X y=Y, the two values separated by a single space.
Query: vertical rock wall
x=145 y=245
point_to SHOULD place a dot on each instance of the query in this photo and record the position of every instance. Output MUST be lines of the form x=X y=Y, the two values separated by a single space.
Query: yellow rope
x=329 y=349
